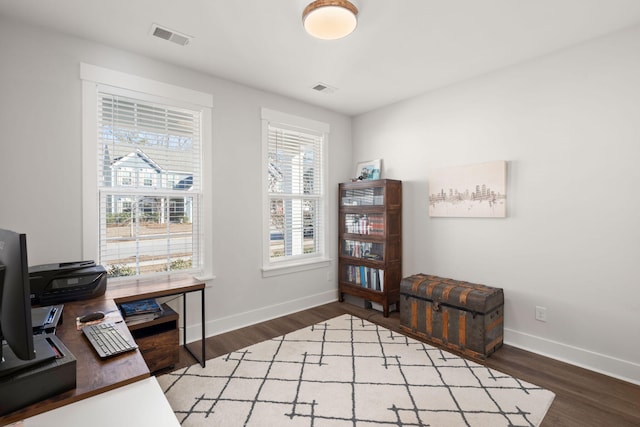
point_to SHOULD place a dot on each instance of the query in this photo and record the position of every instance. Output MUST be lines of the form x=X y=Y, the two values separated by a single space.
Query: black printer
x=67 y=281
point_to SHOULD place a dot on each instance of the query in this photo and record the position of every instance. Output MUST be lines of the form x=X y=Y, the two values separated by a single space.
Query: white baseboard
x=601 y=363
x=248 y=318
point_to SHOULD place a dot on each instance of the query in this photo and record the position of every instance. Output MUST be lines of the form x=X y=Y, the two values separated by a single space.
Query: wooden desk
x=141 y=403
x=154 y=288
x=95 y=375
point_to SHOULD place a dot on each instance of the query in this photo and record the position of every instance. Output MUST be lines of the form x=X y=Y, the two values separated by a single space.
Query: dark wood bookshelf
x=370 y=241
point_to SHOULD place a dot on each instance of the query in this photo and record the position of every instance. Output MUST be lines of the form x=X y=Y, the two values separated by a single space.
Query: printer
x=67 y=281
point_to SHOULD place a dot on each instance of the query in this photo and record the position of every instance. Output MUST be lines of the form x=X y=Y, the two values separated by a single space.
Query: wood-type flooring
x=583 y=398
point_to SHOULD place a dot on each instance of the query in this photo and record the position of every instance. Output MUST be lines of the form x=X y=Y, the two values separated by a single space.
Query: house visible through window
x=149 y=185
x=294 y=188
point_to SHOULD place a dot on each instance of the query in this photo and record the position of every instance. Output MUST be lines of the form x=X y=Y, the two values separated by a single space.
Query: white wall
x=40 y=168
x=569 y=126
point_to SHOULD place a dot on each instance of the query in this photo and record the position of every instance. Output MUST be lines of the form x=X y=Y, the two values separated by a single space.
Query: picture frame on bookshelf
x=369 y=170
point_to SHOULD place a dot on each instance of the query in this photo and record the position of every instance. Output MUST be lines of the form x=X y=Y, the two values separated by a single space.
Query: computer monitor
x=31 y=368
x=15 y=303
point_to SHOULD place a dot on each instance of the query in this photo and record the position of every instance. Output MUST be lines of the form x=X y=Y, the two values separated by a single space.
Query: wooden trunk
x=464 y=317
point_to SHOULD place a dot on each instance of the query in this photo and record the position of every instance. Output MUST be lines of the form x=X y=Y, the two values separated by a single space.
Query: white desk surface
x=138 y=404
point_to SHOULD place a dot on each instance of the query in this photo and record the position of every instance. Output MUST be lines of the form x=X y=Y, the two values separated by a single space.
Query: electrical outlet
x=541 y=313
x=329 y=276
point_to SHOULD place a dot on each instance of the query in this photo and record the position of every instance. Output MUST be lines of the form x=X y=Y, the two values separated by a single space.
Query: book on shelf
x=376 y=225
x=141 y=318
x=366 y=277
x=364 y=224
x=140 y=311
x=375 y=279
x=144 y=306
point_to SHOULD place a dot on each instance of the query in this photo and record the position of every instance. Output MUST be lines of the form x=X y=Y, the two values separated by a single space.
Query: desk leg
x=202 y=343
x=202 y=359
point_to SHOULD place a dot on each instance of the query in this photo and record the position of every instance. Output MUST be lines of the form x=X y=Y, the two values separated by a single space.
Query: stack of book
x=140 y=311
x=367 y=277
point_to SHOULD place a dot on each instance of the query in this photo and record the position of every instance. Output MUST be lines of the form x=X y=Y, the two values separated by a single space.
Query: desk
x=141 y=403
x=95 y=375
x=154 y=288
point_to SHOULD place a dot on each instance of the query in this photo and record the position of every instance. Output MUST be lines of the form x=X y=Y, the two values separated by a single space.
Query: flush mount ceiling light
x=330 y=19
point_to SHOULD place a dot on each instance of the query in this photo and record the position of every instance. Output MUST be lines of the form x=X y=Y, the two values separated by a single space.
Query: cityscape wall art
x=478 y=190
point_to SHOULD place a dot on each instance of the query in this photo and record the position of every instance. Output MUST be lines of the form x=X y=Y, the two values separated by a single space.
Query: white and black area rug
x=349 y=372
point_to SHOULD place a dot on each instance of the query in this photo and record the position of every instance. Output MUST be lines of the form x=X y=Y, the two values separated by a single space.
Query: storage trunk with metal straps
x=462 y=316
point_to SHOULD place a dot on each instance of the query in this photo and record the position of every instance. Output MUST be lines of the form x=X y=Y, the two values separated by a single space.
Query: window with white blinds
x=295 y=189
x=149 y=185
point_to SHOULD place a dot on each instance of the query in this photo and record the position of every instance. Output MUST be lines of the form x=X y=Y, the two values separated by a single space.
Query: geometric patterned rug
x=347 y=371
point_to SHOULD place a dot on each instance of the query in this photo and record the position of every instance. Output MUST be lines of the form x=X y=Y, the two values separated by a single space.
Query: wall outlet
x=541 y=313
x=329 y=276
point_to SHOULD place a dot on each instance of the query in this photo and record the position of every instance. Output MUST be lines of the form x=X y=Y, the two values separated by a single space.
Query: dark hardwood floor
x=583 y=398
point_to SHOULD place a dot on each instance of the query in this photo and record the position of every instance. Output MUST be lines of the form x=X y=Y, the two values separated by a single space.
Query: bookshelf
x=370 y=239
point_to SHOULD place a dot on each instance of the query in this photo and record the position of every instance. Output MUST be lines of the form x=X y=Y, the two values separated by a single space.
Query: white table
x=138 y=404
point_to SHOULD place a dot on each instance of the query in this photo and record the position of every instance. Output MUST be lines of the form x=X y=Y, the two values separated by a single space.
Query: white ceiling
x=401 y=48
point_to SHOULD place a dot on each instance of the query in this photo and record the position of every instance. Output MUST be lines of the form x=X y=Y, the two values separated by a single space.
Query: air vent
x=324 y=88
x=171 y=35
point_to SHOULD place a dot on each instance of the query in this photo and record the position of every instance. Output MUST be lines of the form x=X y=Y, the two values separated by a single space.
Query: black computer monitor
x=31 y=368
x=15 y=302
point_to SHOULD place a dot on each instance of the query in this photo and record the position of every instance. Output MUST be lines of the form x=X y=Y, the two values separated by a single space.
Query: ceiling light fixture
x=330 y=19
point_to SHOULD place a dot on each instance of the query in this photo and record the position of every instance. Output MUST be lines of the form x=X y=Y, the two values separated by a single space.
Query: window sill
x=295 y=267
x=118 y=282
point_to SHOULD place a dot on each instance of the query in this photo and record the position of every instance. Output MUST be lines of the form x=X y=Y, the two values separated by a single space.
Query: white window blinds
x=149 y=184
x=295 y=192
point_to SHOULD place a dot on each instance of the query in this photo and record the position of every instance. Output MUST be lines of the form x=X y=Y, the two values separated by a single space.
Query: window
x=295 y=191
x=124 y=177
x=147 y=180
x=147 y=156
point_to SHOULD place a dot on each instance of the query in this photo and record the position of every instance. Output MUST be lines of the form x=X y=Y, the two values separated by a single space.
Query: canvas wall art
x=477 y=190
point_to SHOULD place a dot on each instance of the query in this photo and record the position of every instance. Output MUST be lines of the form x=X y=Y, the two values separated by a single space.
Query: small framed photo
x=369 y=170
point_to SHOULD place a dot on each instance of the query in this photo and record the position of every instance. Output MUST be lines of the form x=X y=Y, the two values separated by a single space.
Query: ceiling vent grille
x=170 y=35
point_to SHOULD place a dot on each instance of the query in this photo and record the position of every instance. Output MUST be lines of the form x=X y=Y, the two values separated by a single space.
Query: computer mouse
x=90 y=317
